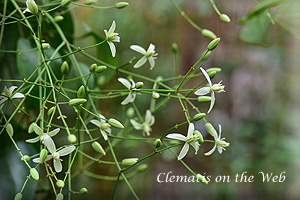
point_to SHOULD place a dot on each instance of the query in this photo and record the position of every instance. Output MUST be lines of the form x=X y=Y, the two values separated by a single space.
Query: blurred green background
x=259 y=112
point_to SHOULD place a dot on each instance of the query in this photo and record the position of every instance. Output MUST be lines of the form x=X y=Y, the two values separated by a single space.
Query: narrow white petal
x=128 y=99
x=220 y=130
x=151 y=48
x=117 y=39
x=212 y=102
x=66 y=151
x=112 y=28
x=152 y=62
x=18 y=95
x=132 y=83
x=11 y=89
x=136 y=125
x=148 y=116
x=203 y=91
x=152 y=121
x=141 y=62
x=26 y=10
x=183 y=151
x=190 y=130
x=108 y=130
x=133 y=95
x=138 y=49
x=211 y=151
x=220 y=149
x=49 y=143
x=37 y=129
x=112 y=48
x=33 y=140
x=206 y=76
x=95 y=122
x=57 y=165
x=103 y=133
x=2 y=102
x=176 y=136
x=54 y=132
x=125 y=82
x=102 y=120
x=195 y=145
x=36 y=160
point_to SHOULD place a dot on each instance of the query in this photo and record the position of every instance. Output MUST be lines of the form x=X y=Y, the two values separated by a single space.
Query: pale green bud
x=206 y=56
x=209 y=128
x=213 y=44
x=34 y=173
x=58 y=18
x=129 y=161
x=211 y=74
x=115 y=123
x=225 y=18
x=139 y=85
x=199 y=136
x=198 y=116
x=65 y=2
x=25 y=158
x=83 y=191
x=142 y=168
x=76 y=102
x=90 y=2
x=209 y=34
x=201 y=178
x=45 y=45
x=93 y=67
x=9 y=129
x=174 y=48
x=59 y=196
x=64 y=68
x=155 y=95
x=32 y=7
x=157 y=143
x=18 y=196
x=43 y=155
x=101 y=80
x=120 y=5
x=104 y=126
x=30 y=128
x=130 y=112
x=100 y=69
x=51 y=110
x=214 y=69
x=72 y=138
x=97 y=147
x=81 y=92
x=204 y=99
x=60 y=183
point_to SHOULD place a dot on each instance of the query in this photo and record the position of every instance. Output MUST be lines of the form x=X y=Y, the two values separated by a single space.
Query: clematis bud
x=100 y=69
x=76 y=102
x=120 y=5
x=129 y=161
x=155 y=95
x=139 y=85
x=59 y=196
x=201 y=178
x=31 y=7
x=25 y=158
x=213 y=44
x=18 y=196
x=198 y=116
x=51 y=110
x=209 y=34
x=45 y=45
x=34 y=173
x=30 y=128
x=90 y=2
x=43 y=155
x=206 y=56
x=60 y=183
x=199 y=136
x=93 y=67
x=209 y=128
x=142 y=168
x=83 y=191
x=97 y=147
x=58 y=18
x=72 y=138
x=64 y=68
x=9 y=129
x=174 y=48
x=81 y=92
x=204 y=99
x=157 y=143
x=225 y=18
x=130 y=112
x=115 y=123
x=214 y=69
x=211 y=74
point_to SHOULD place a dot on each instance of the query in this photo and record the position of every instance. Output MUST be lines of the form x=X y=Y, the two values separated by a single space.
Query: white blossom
x=111 y=37
x=146 y=125
x=148 y=55
x=131 y=87
x=41 y=134
x=8 y=94
x=220 y=144
x=103 y=125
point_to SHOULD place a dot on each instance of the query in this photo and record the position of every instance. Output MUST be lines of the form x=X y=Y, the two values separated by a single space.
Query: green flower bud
x=81 y=92
x=157 y=143
x=129 y=161
x=25 y=158
x=209 y=34
x=97 y=147
x=93 y=67
x=58 y=18
x=211 y=74
x=214 y=69
x=155 y=95
x=43 y=155
x=83 y=191
x=51 y=110
x=120 y=5
x=201 y=178
x=204 y=99
x=90 y=2
x=45 y=45
x=101 y=81
x=18 y=196
x=59 y=196
x=159 y=78
x=30 y=128
x=209 y=128
x=213 y=44
x=100 y=68
x=199 y=136
x=130 y=112
x=32 y=7
x=198 y=116
x=174 y=48
x=142 y=168
x=72 y=138
x=76 y=102
x=139 y=85
x=104 y=126
x=9 y=129
x=60 y=183
x=206 y=56
x=115 y=123
x=65 y=2
x=225 y=18
x=64 y=68
x=34 y=173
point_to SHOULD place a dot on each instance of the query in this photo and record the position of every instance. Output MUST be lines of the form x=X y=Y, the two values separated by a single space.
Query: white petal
x=57 y=165
x=117 y=39
x=37 y=129
x=139 y=63
x=136 y=125
x=128 y=99
x=49 y=143
x=95 y=122
x=33 y=140
x=148 y=116
x=190 y=130
x=152 y=121
x=125 y=82
x=151 y=48
x=220 y=149
x=2 y=102
x=112 y=48
x=220 y=130
x=26 y=10
x=106 y=34
x=54 y=132
x=152 y=62
x=138 y=49
x=195 y=145
x=212 y=101
x=112 y=28
x=102 y=120
x=103 y=133
x=66 y=151
x=133 y=95
x=18 y=95
x=11 y=89
x=108 y=130
x=36 y=160
x=132 y=83
x=211 y=151
x=206 y=76
x=176 y=136
x=203 y=91
x=183 y=151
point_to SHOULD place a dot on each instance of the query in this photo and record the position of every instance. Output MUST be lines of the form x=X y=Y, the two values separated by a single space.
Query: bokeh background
x=259 y=112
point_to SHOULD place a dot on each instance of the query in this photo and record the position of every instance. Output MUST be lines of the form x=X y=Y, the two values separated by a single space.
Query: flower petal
x=203 y=91
x=128 y=99
x=148 y=116
x=133 y=95
x=66 y=151
x=37 y=129
x=152 y=62
x=95 y=122
x=220 y=149
x=220 y=130
x=33 y=140
x=11 y=89
x=138 y=49
x=212 y=102
x=57 y=165
x=176 y=136
x=112 y=48
x=206 y=76
x=102 y=118
x=112 y=28
x=151 y=48
x=54 y=132
x=141 y=62
x=49 y=143
x=190 y=130
x=183 y=151
x=211 y=151
x=18 y=95
x=125 y=82
x=103 y=133
x=195 y=145
x=136 y=125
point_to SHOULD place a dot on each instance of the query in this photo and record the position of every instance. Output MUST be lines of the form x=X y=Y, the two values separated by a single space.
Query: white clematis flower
x=220 y=144
x=41 y=134
x=148 y=55
x=211 y=89
x=55 y=154
x=190 y=139
x=103 y=125
x=131 y=87
x=145 y=126
x=111 y=37
x=8 y=94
